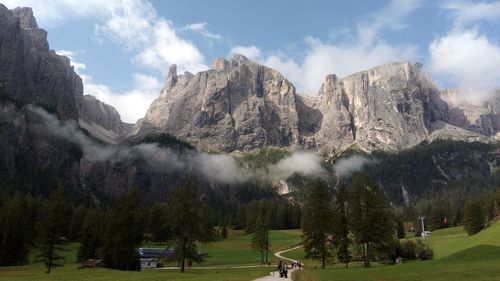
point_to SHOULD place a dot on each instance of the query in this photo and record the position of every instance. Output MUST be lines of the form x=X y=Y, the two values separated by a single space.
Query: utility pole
x=421 y=218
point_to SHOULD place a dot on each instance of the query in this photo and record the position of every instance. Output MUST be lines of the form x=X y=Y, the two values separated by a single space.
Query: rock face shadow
x=310 y=118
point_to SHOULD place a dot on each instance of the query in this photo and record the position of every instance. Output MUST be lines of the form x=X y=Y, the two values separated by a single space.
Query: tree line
x=348 y=221
x=453 y=208
x=113 y=233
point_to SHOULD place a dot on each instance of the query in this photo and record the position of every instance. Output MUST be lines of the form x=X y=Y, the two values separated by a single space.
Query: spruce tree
x=401 y=233
x=260 y=238
x=318 y=223
x=50 y=228
x=123 y=233
x=224 y=231
x=370 y=215
x=158 y=224
x=189 y=224
x=473 y=216
x=90 y=239
x=341 y=230
x=14 y=232
x=76 y=223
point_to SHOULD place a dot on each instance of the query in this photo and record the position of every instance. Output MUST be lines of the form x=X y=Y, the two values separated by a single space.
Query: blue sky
x=123 y=49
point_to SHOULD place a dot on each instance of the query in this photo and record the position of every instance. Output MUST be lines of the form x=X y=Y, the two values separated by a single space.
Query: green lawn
x=233 y=251
x=457 y=257
x=71 y=272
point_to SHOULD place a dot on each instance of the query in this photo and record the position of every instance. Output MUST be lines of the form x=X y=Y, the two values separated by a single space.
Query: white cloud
x=465 y=12
x=132 y=105
x=467 y=59
x=201 y=28
x=352 y=164
x=251 y=52
x=323 y=58
x=165 y=48
x=134 y=24
x=366 y=49
x=78 y=66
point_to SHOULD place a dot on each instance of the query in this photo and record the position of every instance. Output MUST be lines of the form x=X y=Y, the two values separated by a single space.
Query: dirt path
x=274 y=276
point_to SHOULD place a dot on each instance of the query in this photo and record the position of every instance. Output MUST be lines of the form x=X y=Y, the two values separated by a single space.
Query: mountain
x=52 y=133
x=241 y=105
x=31 y=74
x=102 y=120
x=236 y=105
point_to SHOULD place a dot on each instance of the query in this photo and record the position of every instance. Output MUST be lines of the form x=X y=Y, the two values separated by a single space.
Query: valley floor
x=457 y=257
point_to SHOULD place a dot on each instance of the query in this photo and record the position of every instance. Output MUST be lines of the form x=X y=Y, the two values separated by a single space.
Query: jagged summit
x=235 y=105
x=241 y=105
x=25 y=14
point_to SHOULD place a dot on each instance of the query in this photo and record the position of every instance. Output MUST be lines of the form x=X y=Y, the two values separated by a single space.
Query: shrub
x=304 y=275
x=413 y=249
x=424 y=252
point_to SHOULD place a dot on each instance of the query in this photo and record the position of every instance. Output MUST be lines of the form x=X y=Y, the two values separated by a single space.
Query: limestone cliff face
x=93 y=111
x=236 y=105
x=240 y=105
x=387 y=107
x=32 y=74
x=480 y=117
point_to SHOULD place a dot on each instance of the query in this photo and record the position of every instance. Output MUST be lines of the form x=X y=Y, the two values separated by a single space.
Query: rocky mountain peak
x=31 y=73
x=25 y=14
x=171 y=77
x=241 y=105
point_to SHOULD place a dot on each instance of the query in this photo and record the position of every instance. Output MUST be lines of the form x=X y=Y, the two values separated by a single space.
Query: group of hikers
x=283 y=268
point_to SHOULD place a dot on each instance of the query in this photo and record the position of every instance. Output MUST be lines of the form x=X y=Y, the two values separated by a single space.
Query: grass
x=71 y=272
x=233 y=251
x=457 y=257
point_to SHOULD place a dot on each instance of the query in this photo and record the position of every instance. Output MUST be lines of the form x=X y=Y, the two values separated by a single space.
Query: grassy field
x=457 y=257
x=234 y=251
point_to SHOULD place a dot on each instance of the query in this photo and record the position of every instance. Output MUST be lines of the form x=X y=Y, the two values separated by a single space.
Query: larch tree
x=473 y=216
x=260 y=238
x=50 y=229
x=341 y=230
x=123 y=233
x=370 y=216
x=318 y=223
x=189 y=224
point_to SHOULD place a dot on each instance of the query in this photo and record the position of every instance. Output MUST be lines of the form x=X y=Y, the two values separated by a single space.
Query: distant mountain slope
x=241 y=105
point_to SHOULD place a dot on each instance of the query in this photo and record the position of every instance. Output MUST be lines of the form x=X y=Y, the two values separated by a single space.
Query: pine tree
x=90 y=239
x=189 y=225
x=281 y=215
x=14 y=232
x=260 y=238
x=50 y=228
x=473 y=216
x=224 y=231
x=158 y=223
x=401 y=233
x=123 y=233
x=76 y=223
x=341 y=230
x=318 y=223
x=370 y=218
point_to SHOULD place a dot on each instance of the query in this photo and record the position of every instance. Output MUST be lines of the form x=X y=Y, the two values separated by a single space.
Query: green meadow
x=225 y=256
x=457 y=257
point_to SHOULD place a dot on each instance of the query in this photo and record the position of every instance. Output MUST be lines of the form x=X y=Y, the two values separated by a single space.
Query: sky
x=122 y=49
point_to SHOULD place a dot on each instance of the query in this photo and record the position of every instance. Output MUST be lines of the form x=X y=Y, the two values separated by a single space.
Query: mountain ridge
x=388 y=107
